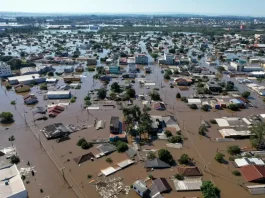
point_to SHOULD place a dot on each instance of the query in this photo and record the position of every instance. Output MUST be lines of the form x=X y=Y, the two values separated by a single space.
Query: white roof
x=247 y=161
x=232 y=132
x=125 y=163
x=262 y=115
x=51 y=80
x=222 y=122
x=108 y=171
x=25 y=77
x=58 y=92
x=194 y=101
x=188 y=184
x=256 y=189
x=15 y=183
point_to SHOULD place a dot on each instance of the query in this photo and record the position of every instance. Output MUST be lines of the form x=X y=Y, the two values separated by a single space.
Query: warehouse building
x=59 y=94
x=26 y=79
x=28 y=70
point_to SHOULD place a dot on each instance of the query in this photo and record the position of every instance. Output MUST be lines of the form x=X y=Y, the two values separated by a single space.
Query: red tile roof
x=253 y=172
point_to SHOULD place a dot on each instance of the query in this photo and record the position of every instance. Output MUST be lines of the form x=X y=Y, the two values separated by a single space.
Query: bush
x=178 y=95
x=151 y=155
x=91 y=69
x=168 y=133
x=6 y=117
x=43 y=87
x=85 y=145
x=179 y=177
x=212 y=121
x=175 y=139
x=167 y=77
x=121 y=147
x=193 y=106
x=165 y=155
x=109 y=160
x=87 y=98
x=14 y=159
x=234 y=150
x=13 y=102
x=219 y=157
x=50 y=73
x=245 y=94
x=233 y=107
x=155 y=96
x=209 y=190
x=184 y=99
x=202 y=131
x=236 y=173
x=87 y=102
x=184 y=159
x=8 y=87
x=89 y=176
x=205 y=107
x=80 y=141
x=102 y=93
x=73 y=99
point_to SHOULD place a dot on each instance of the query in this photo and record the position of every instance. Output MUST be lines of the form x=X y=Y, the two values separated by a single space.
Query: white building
x=141 y=59
x=248 y=161
x=58 y=94
x=169 y=59
x=26 y=79
x=11 y=184
x=5 y=70
x=241 y=67
x=131 y=64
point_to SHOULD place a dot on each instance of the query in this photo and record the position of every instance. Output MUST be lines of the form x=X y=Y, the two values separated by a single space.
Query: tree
x=122 y=147
x=115 y=87
x=109 y=160
x=167 y=77
x=155 y=56
x=179 y=177
x=14 y=159
x=205 y=107
x=8 y=87
x=209 y=190
x=202 y=130
x=172 y=51
x=43 y=87
x=219 y=157
x=233 y=107
x=155 y=96
x=168 y=133
x=102 y=93
x=193 y=106
x=130 y=92
x=178 y=95
x=234 y=150
x=245 y=94
x=151 y=155
x=6 y=117
x=80 y=141
x=50 y=73
x=85 y=145
x=175 y=139
x=165 y=155
x=236 y=173
x=230 y=86
x=13 y=102
x=184 y=159
x=258 y=132
x=221 y=69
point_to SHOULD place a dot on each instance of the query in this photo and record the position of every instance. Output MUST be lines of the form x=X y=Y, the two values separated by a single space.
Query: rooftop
x=253 y=173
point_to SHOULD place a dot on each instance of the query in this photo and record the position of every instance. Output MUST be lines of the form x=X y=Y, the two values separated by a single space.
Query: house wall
x=22 y=194
x=58 y=96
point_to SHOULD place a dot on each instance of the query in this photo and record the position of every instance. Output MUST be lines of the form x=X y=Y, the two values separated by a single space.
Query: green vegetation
x=50 y=73
x=168 y=133
x=193 y=106
x=13 y=102
x=175 y=139
x=89 y=176
x=91 y=69
x=213 y=121
x=43 y=87
x=73 y=99
x=12 y=138
x=221 y=69
x=205 y=107
x=184 y=99
x=258 y=132
x=151 y=155
x=102 y=93
x=167 y=76
x=219 y=157
x=14 y=159
x=6 y=118
x=109 y=160
x=155 y=96
x=230 y=86
x=115 y=87
x=209 y=190
x=202 y=130
x=179 y=177
x=86 y=145
x=184 y=159
x=165 y=155
x=245 y=94
x=80 y=141
x=233 y=107
x=8 y=87
x=178 y=95
x=236 y=173
x=130 y=92
x=121 y=146
x=234 y=150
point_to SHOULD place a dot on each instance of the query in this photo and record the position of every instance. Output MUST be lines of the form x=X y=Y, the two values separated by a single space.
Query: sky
x=207 y=7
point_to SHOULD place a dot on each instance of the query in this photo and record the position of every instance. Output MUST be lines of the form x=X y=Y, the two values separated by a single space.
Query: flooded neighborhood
x=93 y=107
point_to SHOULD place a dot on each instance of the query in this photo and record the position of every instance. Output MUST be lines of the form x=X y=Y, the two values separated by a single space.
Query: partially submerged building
x=59 y=94
x=26 y=79
x=56 y=130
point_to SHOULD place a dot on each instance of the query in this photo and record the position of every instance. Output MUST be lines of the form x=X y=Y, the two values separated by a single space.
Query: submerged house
x=21 y=88
x=30 y=99
x=140 y=187
x=114 y=125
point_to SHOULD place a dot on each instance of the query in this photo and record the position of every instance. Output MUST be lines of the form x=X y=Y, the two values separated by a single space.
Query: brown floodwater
x=49 y=178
